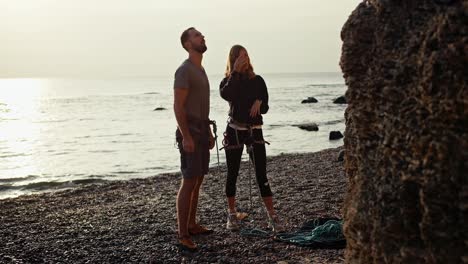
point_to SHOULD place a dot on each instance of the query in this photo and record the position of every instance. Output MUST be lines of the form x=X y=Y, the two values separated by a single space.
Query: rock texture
x=406 y=138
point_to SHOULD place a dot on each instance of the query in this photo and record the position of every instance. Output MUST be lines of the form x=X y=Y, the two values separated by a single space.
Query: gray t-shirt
x=188 y=76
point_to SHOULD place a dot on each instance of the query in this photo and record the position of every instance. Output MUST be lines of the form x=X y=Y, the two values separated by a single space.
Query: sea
x=64 y=133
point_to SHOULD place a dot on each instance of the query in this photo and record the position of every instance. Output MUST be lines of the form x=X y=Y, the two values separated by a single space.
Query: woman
x=247 y=95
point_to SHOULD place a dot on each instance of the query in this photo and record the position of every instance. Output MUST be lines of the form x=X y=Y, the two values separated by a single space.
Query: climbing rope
x=326 y=233
x=317 y=233
x=215 y=131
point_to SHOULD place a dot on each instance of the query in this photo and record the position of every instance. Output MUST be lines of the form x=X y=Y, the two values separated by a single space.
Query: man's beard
x=201 y=48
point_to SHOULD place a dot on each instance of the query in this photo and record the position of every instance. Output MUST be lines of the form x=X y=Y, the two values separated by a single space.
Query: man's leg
x=183 y=205
x=194 y=202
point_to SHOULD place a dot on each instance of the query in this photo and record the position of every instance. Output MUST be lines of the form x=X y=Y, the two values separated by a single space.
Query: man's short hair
x=185 y=36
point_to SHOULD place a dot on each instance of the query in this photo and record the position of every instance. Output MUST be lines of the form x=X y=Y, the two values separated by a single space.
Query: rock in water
x=340 y=100
x=309 y=127
x=335 y=135
x=309 y=100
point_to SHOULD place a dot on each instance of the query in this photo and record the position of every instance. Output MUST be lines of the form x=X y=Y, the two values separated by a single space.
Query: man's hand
x=188 y=145
x=255 y=109
x=211 y=141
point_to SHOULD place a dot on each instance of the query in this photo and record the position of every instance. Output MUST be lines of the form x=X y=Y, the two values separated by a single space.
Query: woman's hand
x=255 y=109
x=241 y=63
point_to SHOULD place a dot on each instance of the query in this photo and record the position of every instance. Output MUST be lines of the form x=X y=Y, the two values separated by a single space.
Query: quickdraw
x=215 y=131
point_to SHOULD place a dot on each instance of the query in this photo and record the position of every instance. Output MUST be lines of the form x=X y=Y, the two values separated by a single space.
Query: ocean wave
x=18 y=179
x=156 y=168
x=102 y=151
x=326 y=85
x=51 y=121
x=125 y=172
x=127 y=141
x=14 y=155
x=50 y=185
x=333 y=122
x=9 y=119
x=60 y=153
x=114 y=135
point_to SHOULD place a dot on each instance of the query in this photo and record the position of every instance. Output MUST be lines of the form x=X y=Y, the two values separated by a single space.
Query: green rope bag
x=318 y=233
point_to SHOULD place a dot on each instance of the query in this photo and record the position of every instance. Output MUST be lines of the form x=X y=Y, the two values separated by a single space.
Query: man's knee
x=189 y=184
x=199 y=181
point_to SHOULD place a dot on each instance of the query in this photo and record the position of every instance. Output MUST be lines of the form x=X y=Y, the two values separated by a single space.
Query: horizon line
x=104 y=76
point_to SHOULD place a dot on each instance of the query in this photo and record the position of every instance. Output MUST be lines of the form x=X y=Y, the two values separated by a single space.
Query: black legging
x=234 y=147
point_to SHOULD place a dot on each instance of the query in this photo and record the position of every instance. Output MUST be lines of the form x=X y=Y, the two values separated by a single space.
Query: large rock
x=406 y=138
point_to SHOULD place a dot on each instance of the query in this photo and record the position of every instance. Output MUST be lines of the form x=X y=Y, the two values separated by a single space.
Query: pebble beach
x=134 y=221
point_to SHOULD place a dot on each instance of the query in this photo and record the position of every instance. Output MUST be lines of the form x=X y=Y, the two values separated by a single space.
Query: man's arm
x=180 y=97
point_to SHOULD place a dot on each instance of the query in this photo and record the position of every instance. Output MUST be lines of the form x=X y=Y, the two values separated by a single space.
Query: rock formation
x=309 y=100
x=340 y=100
x=308 y=127
x=406 y=138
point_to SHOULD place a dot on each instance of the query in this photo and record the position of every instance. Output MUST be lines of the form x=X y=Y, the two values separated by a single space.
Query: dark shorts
x=194 y=164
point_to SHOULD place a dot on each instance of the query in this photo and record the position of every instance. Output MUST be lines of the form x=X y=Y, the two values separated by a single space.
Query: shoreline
x=135 y=221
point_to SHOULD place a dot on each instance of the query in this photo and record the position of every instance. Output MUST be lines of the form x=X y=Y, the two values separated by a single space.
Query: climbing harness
x=249 y=142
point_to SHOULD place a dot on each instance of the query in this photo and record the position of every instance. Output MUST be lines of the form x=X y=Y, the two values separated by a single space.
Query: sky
x=128 y=38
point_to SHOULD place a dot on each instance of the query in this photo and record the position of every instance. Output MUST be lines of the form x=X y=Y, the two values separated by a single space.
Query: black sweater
x=241 y=92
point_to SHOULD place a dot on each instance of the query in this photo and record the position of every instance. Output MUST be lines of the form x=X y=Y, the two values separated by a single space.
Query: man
x=194 y=136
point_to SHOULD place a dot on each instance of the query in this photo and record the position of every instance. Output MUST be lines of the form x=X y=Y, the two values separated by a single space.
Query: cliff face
x=406 y=138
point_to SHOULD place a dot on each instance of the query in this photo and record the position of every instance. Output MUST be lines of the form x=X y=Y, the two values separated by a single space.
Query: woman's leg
x=233 y=152
x=259 y=158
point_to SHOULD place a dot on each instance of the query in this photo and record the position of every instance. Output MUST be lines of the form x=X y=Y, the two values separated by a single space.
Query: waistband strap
x=242 y=126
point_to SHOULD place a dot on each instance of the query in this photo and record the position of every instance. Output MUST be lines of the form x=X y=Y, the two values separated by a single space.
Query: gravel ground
x=135 y=221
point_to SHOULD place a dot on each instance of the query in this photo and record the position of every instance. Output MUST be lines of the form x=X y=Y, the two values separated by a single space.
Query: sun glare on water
x=20 y=90
x=19 y=130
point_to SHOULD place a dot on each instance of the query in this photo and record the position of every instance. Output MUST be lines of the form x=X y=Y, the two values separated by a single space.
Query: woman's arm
x=230 y=87
x=262 y=95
